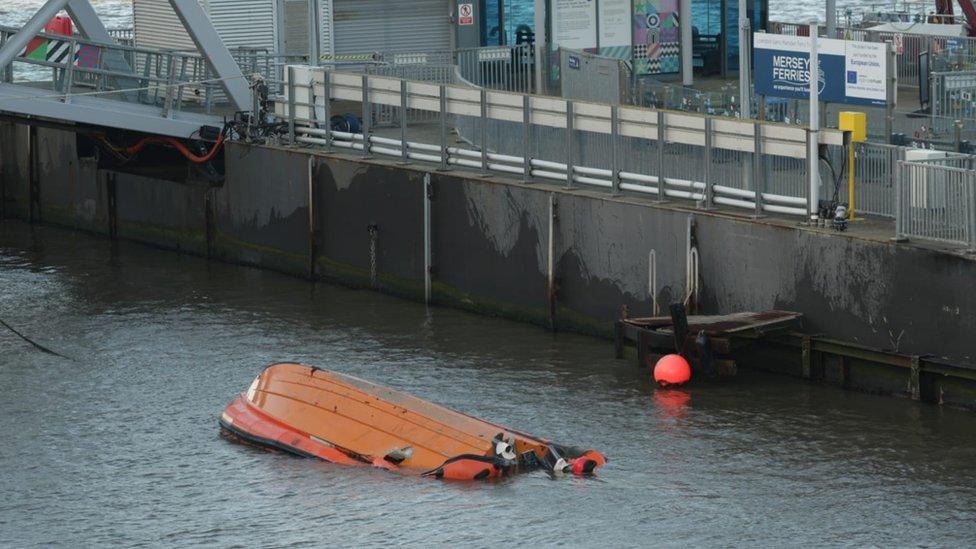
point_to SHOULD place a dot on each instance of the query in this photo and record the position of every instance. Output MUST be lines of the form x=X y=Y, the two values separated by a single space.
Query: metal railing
x=172 y=80
x=507 y=68
x=664 y=154
x=123 y=36
x=659 y=95
x=912 y=45
x=936 y=202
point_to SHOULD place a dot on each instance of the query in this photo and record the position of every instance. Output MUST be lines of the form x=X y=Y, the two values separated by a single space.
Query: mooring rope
x=32 y=342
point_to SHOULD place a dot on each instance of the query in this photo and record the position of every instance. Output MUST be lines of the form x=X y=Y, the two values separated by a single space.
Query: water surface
x=120 y=445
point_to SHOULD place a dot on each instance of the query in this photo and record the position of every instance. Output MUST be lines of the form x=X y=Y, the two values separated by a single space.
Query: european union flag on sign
x=852 y=77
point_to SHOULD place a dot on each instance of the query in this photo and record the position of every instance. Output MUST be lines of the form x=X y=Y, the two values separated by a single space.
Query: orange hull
x=342 y=419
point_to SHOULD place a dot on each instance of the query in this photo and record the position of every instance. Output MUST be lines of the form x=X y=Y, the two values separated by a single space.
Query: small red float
x=672 y=371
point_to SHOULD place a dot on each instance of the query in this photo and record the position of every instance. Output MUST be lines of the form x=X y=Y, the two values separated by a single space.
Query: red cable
x=175 y=143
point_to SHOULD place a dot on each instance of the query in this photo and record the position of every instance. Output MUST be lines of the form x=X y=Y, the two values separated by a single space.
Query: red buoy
x=672 y=370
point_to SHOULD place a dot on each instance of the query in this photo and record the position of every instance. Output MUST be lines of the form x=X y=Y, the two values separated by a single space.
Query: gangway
x=96 y=81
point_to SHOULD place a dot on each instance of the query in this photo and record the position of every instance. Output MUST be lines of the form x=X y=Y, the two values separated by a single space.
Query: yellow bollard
x=857 y=124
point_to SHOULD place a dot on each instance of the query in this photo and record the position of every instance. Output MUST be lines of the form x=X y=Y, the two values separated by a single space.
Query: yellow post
x=857 y=124
x=850 y=181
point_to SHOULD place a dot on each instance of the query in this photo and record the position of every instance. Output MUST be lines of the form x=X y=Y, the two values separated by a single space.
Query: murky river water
x=120 y=445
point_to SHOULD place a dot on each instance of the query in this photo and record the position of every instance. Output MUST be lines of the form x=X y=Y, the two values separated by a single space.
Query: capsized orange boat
x=343 y=419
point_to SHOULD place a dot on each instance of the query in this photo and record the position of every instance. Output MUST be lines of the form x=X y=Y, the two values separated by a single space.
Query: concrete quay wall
x=361 y=222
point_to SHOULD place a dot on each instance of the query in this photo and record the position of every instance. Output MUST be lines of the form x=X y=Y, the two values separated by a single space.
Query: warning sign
x=465 y=14
x=899 y=43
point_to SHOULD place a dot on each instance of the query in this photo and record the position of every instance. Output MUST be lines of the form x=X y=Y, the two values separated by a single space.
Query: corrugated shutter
x=250 y=23
x=245 y=23
x=362 y=26
x=155 y=25
x=326 y=32
x=295 y=26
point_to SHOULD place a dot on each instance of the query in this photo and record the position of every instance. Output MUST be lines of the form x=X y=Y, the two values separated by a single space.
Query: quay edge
x=490 y=251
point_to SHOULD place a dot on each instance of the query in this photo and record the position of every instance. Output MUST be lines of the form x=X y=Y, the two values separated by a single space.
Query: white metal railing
x=936 y=202
x=306 y=111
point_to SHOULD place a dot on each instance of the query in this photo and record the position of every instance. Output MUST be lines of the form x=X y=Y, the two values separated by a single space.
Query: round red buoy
x=672 y=370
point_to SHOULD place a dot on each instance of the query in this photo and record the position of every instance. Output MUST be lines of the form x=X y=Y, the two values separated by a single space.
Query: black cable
x=34 y=343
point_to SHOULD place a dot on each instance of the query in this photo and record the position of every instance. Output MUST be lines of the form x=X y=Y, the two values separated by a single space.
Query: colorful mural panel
x=657 y=37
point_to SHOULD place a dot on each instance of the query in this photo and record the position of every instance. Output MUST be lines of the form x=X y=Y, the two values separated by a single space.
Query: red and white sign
x=899 y=43
x=465 y=14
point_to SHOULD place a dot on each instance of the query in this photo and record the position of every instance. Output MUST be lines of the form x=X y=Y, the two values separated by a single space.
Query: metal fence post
x=958 y=135
x=69 y=73
x=892 y=90
x=291 y=104
x=896 y=171
x=484 y=132
x=758 y=167
x=661 y=182
x=809 y=181
x=570 y=144
x=971 y=209
x=367 y=116
x=614 y=151
x=442 y=95
x=327 y=108
x=404 y=148
x=313 y=119
x=707 y=163
x=170 y=83
x=527 y=138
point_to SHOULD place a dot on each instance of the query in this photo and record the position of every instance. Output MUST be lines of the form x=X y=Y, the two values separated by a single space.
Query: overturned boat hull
x=343 y=419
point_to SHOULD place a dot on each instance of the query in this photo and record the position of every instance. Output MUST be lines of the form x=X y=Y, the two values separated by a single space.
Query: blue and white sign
x=850 y=72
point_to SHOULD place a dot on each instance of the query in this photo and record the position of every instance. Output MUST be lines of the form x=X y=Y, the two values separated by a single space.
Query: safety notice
x=465 y=14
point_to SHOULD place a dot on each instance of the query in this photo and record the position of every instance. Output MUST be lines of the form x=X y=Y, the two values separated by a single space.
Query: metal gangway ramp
x=97 y=81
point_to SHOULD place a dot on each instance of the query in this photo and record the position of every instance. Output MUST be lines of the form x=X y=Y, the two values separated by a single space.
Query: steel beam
x=91 y=28
x=19 y=41
x=98 y=111
x=206 y=39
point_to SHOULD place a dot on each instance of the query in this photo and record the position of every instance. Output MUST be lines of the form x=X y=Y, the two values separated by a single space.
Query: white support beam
x=208 y=42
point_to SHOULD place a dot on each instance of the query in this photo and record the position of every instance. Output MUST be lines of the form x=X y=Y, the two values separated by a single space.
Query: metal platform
x=718 y=336
x=99 y=82
x=97 y=111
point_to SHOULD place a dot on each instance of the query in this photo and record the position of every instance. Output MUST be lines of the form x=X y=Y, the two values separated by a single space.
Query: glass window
x=507 y=21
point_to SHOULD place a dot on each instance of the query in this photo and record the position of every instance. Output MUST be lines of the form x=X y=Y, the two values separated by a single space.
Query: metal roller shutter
x=245 y=23
x=362 y=26
x=155 y=25
x=295 y=27
x=240 y=23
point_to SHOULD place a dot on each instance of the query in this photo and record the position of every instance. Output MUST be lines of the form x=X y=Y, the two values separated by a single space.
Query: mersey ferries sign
x=850 y=72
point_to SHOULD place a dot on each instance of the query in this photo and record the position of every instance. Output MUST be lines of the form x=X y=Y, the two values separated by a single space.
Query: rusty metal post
x=806 y=359
x=914 y=378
